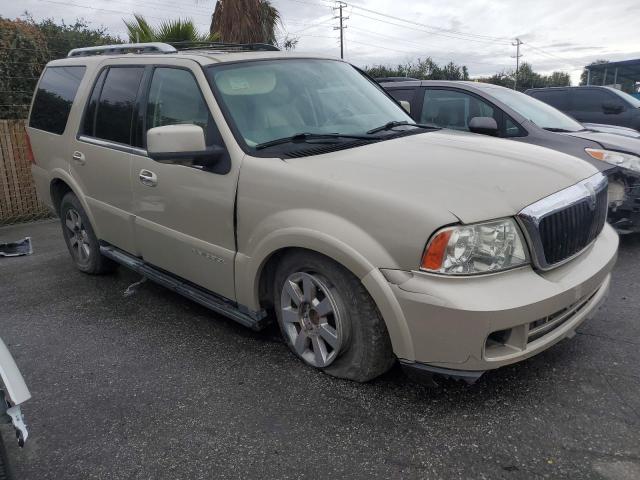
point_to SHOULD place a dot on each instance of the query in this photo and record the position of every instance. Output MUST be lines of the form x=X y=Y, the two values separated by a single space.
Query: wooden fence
x=18 y=199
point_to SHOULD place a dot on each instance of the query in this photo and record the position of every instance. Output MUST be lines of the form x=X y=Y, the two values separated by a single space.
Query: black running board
x=221 y=305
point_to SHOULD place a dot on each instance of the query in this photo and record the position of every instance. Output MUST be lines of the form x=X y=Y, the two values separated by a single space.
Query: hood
x=610 y=141
x=474 y=177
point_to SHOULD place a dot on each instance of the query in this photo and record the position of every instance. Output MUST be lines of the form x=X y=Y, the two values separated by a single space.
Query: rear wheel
x=81 y=241
x=328 y=319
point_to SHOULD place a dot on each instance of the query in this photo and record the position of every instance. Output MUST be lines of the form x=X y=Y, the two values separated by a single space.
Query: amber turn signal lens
x=435 y=252
x=597 y=154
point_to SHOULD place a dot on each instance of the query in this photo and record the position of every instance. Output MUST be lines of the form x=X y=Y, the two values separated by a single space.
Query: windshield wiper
x=304 y=137
x=396 y=123
x=559 y=130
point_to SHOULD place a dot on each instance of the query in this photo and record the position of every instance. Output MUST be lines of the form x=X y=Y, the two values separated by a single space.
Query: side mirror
x=612 y=108
x=484 y=126
x=179 y=143
x=406 y=105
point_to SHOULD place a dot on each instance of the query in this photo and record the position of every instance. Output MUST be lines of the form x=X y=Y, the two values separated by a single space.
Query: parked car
x=13 y=393
x=255 y=182
x=498 y=111
x=593 y=104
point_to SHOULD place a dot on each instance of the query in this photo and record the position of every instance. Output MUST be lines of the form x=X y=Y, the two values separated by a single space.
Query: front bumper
x=484 y=322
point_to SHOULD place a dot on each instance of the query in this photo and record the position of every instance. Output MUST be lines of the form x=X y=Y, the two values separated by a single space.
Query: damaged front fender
x=624 y=201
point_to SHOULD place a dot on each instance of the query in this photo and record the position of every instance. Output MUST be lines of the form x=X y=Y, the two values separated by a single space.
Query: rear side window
x=54 y=98
x=109 y=115
x=556 y=98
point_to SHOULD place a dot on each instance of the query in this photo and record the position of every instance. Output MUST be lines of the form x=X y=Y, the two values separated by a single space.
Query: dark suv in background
x=599 y=105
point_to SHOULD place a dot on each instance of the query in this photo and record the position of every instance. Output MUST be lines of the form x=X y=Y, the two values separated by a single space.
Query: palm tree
x=245 y=21
x=170 y=31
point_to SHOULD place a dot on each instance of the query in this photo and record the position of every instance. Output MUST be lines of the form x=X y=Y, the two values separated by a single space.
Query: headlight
x=620 y=159
x=478 y=248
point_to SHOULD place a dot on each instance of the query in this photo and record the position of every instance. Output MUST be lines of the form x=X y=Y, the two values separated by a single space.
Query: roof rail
x=152 y=47
x=222 y=46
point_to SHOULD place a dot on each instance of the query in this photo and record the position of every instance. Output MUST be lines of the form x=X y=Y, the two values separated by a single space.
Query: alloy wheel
x=78 y=237
x=311 y=319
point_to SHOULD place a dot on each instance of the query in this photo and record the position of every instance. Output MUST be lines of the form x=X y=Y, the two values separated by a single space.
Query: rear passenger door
x=101 y=153
x=185 y=215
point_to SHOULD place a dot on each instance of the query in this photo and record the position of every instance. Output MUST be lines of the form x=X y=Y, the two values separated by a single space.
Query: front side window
x=54 y=98
x=110 y=112
x=175 y=98
x=273 y=99
x=453 y=109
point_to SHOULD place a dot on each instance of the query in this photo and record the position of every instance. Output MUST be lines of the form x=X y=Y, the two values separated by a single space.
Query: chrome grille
x=562 y=225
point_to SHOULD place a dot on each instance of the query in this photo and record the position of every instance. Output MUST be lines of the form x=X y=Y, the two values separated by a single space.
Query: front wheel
x=328 y=319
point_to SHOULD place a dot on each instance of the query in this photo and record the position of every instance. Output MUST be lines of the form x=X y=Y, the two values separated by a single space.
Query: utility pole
x=517 y=44
x=340 y=6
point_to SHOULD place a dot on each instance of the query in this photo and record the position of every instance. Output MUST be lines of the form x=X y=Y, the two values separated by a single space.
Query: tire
x=318 y=302
x=80 y=238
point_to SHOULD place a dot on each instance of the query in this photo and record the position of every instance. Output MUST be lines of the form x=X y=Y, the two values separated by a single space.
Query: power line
x=438 y=30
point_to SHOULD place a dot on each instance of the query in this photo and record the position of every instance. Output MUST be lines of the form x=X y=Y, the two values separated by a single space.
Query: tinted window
x=556 y=98
x=116 y=105
x=54 y=98
x=403 y=94
x=590 y=99
x=88 y=126
x=453 y=109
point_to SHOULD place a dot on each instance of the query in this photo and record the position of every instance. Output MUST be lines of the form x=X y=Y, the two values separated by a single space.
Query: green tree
x=170 y=31
x=422 y=69
x=246 y=21
x=528 y=78
x=62 y=37
x=23 y=55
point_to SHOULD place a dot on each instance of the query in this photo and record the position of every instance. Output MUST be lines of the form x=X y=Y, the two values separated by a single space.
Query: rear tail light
x=29 y=150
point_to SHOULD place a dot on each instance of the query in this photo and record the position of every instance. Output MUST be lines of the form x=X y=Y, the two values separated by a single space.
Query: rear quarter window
x=54 y=98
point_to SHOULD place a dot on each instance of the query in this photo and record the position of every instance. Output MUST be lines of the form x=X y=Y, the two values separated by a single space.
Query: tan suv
x=259 y=181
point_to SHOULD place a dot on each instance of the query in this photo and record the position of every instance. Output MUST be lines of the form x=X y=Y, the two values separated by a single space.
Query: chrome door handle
x=148 y=178
x=78 y=157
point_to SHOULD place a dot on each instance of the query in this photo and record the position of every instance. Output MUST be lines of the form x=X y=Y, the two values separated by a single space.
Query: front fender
x=249 y=264
x=14 y=384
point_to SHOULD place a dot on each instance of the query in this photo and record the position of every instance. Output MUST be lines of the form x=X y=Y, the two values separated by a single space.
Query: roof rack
x=152 y=47
x=226 y=47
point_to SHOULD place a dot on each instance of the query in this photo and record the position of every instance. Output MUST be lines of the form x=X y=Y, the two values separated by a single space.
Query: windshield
x=635 y=103
x=543 y=115
x=270 y=100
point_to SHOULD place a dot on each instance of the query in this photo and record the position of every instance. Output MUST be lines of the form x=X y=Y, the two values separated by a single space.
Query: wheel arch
x=255 y=276
x=62 y=183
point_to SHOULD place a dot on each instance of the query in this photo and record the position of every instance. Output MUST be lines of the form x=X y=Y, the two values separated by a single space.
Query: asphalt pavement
x=153 y=386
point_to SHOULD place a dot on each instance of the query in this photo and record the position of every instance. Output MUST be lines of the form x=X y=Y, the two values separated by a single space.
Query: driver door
x=184 y=220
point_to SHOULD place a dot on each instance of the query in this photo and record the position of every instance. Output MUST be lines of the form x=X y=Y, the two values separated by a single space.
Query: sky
x=480 y=33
